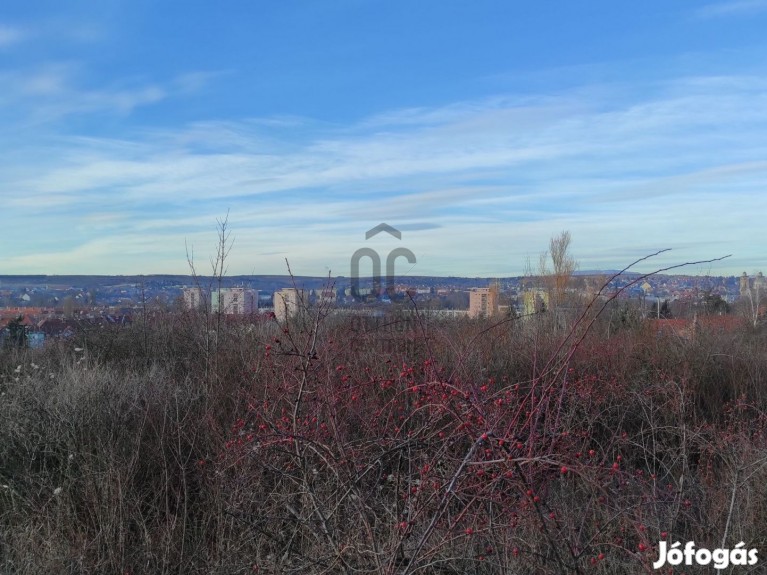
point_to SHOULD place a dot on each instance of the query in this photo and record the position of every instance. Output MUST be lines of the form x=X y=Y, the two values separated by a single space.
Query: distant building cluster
x=47 y=311
x=41 y=325
x=227 y=301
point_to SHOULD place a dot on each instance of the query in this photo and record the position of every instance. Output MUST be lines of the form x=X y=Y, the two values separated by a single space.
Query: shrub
x=399 y=445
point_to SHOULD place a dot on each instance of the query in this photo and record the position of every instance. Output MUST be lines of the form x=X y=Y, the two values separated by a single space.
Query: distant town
x=54 y=307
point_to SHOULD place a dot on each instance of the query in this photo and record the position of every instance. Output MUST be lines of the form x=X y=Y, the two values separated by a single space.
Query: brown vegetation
x=387 y=445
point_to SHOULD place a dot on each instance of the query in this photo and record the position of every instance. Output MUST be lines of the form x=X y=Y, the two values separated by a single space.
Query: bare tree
x=564 y=266
x=212 y=317
x=557 y=279
x=753 y=293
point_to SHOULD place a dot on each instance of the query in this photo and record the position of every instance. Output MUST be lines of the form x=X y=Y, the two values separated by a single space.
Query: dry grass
x=343 y=447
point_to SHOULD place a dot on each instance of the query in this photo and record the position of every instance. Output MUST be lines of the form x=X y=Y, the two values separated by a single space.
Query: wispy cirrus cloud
x=731 y=8
x=11 y=35
x=54 y=91
x=477 y=185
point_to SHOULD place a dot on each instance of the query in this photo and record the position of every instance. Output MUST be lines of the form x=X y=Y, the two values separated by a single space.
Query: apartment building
x=234 y=301
x=289 y=302
x=194 y=298
x=483 y=302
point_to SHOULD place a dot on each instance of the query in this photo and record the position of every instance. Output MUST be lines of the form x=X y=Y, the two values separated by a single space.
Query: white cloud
x=480 y=185
x=10 y=35
x=54 y=91
x=732 y=8
x=194 y=81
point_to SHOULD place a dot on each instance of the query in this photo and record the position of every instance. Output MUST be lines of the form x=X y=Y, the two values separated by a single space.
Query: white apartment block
x=194 y=298
x=289 y=302
x=234 y=301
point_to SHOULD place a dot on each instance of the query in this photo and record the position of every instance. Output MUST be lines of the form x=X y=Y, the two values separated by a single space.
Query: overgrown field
x=390 y=445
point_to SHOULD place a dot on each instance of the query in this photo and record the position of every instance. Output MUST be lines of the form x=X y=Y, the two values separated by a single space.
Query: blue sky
x=479 y=129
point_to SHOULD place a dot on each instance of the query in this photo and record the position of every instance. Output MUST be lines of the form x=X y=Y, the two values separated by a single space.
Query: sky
x=479 y=130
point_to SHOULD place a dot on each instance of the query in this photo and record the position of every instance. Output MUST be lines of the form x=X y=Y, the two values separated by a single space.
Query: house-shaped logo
x=376 y=260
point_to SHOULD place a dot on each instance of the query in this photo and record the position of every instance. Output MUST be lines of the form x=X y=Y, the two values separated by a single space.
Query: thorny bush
x=397 y=445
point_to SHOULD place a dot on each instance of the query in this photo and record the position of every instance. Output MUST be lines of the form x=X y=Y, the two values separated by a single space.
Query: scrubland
x=394 y=445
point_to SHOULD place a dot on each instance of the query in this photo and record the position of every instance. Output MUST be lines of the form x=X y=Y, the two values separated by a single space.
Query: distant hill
x=604 y=273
